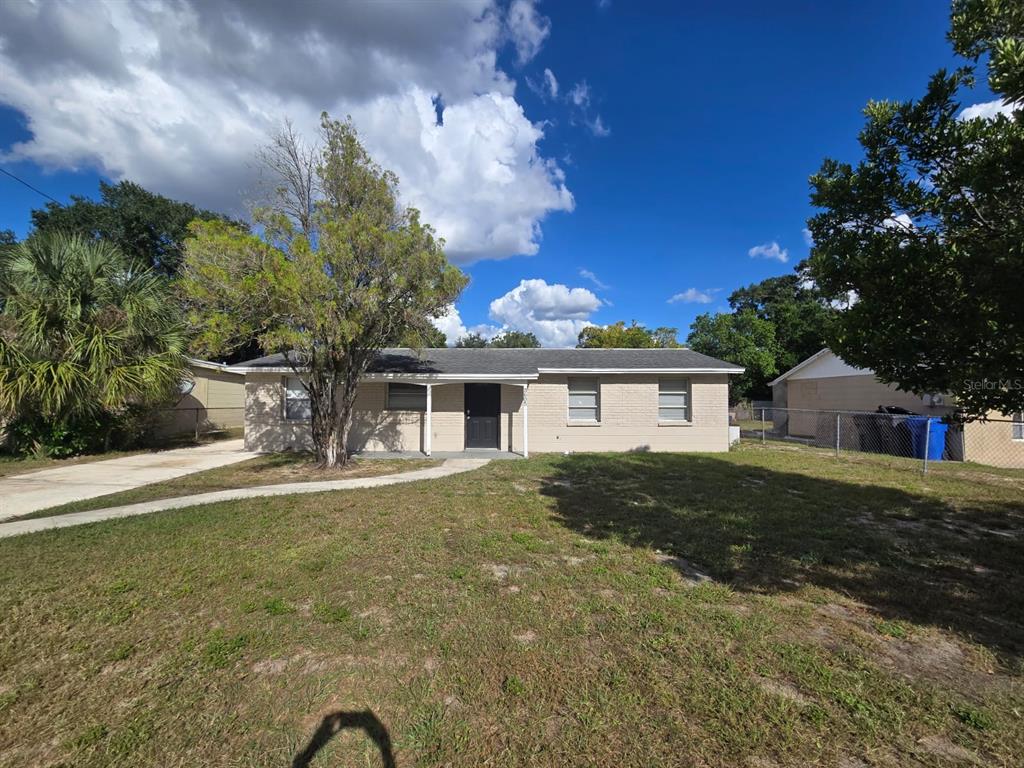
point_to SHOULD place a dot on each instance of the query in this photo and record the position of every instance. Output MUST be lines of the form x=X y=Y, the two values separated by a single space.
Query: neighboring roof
x=825 y=356
x=195 y=362
x=451 y=362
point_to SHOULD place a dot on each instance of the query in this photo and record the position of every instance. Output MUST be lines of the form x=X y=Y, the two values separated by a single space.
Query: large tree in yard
x=796 y=308
x=515 y=340
x=927 y=231
x=148 y=228
x=621 y=336
x=742 y=338
x=339 y=270
x=85 y=336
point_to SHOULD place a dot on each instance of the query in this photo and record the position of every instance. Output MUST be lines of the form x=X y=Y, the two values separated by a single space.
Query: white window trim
x=284 y=400
x=688 y=408
x=569 y=420
x=387 y=398
x=1017 y=422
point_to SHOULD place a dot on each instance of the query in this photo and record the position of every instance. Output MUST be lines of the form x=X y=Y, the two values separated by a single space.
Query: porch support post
x=526 y=422
x=427 y=428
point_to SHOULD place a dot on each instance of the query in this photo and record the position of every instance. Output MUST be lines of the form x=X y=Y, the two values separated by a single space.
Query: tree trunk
x=343 y=422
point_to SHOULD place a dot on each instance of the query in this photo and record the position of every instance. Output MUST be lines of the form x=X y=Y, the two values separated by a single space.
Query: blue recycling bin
x=918 y=426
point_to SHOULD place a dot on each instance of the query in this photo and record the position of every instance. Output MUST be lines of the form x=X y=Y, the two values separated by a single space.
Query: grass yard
x=767 y=607
x=262 y=470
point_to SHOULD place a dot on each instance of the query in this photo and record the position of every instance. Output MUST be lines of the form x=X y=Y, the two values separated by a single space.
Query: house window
x=673 y=399
x=1018 y=426
x=407 y=397
x=584 y=400
x=296 y=399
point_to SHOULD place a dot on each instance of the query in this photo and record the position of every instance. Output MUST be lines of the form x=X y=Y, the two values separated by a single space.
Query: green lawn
x=262 y=470
x=547 y=612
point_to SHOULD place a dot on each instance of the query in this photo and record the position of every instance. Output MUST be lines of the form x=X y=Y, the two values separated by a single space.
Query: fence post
x=927 y=436
x=838 y=417
x=762 y=426
x=197 y=423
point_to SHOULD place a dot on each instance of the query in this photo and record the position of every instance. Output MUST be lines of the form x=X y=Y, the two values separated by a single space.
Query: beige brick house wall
x=629 y=416
x=216 y=398
x=845 y=393
x=628 y=408
x=992 y=443
x=373 y=427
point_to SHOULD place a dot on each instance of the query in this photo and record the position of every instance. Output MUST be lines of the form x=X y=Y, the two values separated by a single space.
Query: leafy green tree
x=742 y=338
x=800 y=314
x=515 y=339
x=428 y=337
x=84 y=336
x=338 y=271
x=471 y=341
x=621 y=336
x=927 y=230
x=149 y=229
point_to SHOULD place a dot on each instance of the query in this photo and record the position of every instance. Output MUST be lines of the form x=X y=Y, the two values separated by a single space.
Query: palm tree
x=83 y=333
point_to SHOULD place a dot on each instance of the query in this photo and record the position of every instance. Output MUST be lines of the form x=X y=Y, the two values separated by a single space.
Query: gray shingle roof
x=450 y=361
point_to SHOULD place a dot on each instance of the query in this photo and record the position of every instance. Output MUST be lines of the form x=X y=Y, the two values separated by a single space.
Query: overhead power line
x=34 y=189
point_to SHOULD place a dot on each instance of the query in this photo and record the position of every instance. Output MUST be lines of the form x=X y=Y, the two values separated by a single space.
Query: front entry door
x=483 y=409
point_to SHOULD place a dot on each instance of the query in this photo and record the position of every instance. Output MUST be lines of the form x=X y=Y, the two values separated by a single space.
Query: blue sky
x=680 y=136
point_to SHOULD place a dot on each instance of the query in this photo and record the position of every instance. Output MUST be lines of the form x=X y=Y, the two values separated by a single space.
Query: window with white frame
x=296 y=399
x=1018 y=426
x=673 y=400
x=584 y=400
x=406 y=397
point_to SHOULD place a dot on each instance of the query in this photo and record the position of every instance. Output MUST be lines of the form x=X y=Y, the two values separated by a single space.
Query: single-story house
x=517 y=400
x=212 y=397
x=825 y=382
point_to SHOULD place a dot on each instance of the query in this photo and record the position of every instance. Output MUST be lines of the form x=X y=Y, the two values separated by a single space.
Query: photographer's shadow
x=336 y=722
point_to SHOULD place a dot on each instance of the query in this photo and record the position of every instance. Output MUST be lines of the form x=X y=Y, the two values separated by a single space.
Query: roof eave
x=799 y=366
x=595 y=371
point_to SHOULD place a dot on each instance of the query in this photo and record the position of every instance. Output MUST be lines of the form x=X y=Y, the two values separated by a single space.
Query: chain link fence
x=926 y=440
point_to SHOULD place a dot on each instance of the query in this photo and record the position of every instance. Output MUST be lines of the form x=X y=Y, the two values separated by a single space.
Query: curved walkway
x=449 y=467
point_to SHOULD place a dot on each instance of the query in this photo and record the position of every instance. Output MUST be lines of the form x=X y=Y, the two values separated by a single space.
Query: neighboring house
x=519 y=400
x=212 y=398
x=825 y=382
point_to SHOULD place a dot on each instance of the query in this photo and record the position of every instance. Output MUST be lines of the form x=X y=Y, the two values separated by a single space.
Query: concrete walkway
x=23 y=494
x=449 y=467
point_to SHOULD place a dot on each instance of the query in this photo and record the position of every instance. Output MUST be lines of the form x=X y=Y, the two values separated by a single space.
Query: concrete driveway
x=22 y=494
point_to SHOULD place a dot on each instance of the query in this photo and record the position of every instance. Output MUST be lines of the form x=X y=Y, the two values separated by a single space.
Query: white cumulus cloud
x=178 y=95
x=808 y=238
x=450 y=324
x=769 y=251
x=555 y=313
x=693 y=296
x=987 y=110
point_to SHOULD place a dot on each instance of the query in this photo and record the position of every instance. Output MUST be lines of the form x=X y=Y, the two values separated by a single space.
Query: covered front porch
x=457 y=416
x=469 y=453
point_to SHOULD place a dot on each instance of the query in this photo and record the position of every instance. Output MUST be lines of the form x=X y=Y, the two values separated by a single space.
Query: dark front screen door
x=483 y=407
